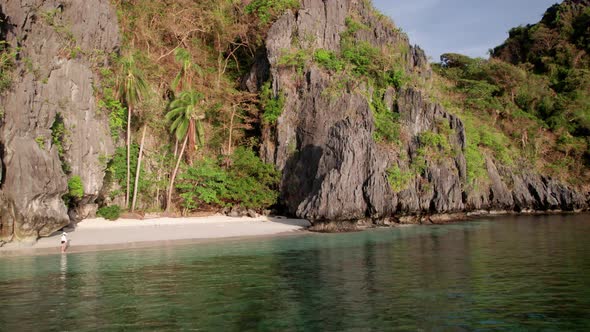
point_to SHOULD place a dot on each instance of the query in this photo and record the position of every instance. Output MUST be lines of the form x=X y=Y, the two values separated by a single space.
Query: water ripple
x=513 y=273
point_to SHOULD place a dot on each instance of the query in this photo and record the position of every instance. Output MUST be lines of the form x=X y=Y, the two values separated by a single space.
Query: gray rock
x=333 y=171
x=51 y=85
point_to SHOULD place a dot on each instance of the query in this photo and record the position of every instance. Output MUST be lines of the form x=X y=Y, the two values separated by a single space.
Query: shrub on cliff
x=328 y=60
x=399 y=180
x=75 y=187
x=117 y=114
x=75 y=190
x=271 y=104
x=266 y=10
x=7 y=65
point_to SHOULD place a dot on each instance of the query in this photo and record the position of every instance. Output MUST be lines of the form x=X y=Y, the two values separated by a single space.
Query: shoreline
x=99 y=234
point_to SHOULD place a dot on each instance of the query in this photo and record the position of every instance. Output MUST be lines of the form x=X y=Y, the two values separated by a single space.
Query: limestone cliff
x=58 y=44
x=359 y=136
x=333 y=167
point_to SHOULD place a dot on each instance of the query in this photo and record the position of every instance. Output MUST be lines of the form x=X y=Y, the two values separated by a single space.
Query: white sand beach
x=101 y=234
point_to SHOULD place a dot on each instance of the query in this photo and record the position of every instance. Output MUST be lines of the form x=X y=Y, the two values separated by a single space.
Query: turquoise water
x=512 y=273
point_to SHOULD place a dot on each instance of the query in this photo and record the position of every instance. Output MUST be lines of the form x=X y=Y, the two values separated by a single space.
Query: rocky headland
x=369 y=144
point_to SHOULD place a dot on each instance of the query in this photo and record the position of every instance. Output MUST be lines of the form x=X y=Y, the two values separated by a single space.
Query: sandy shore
x=101 y=234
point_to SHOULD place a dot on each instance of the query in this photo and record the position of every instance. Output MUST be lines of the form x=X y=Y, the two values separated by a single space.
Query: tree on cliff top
x=558 y=48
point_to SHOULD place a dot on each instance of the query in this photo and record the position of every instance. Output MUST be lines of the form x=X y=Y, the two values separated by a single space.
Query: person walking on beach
x=64 y=241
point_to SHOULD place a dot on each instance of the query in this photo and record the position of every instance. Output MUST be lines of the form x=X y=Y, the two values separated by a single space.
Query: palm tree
x=131 y=90
x=186 y=116
x=183 y=79
x=138 y=169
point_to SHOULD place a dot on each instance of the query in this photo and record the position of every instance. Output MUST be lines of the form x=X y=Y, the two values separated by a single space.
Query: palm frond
x=182 y=129
x=200 y=133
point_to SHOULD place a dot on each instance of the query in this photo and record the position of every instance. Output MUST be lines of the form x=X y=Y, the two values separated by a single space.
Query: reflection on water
x=63 y=267
x=527 y=273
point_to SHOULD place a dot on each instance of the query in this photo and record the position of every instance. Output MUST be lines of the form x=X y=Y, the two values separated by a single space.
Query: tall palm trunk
x=231 y=128
x=137 y=171
x=173 y=177
x=129 y=111
x=176 y=147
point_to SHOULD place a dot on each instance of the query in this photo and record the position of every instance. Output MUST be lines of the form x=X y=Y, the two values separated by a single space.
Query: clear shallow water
x=513 y=273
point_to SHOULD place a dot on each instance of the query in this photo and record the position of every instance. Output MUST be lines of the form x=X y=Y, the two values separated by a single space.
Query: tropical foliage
x=191 y=56
x=185 y=115
x=531 y=96
x=131 y=89
x=247 y=182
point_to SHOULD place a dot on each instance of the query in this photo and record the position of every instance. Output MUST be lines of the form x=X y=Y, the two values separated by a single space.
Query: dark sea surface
x=502 y=274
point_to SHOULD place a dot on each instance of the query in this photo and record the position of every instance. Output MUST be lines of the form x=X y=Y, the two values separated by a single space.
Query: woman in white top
x=64 y=241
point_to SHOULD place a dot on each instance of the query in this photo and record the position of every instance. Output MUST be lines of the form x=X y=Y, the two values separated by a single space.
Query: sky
x=469 y=27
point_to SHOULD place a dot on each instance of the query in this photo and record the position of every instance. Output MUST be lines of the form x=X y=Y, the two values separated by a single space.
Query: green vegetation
x=434 y=147
x=112 y=212
x=399 y=180
x=419 y=163
x=476 y=164
x=352 y=27
x=435 y=141
x=363 y=56
x=272 y=105
x=186 y=117
x=189 y=60
x=328 y=60
x=532 y=95
x=387 y=126
x=131 y=91
x=550 y=84
x=58 y=133
x=75 y=187
x=267 y=10
x=117 y=114
x=40 y=141
x=247 y=182
x=295 y=59
x=7 y=65
x=381 y=68
x=49 y=17
x=75 y=191
x=204 y=184
x=117 y=168
x=204 y=46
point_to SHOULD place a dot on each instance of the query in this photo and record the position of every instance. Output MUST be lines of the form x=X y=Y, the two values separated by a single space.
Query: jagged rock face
x=333 y=170
x=332 y=167
x=440 y=190
x=60 y=45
